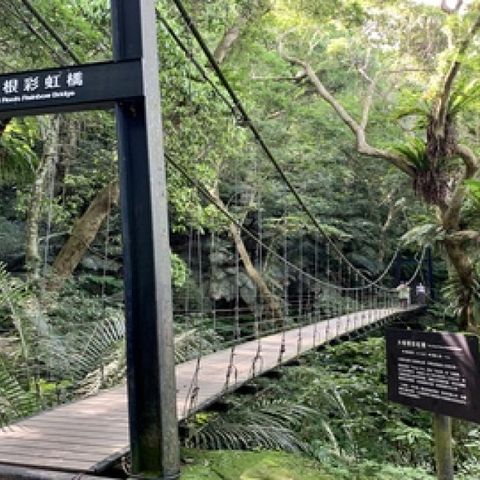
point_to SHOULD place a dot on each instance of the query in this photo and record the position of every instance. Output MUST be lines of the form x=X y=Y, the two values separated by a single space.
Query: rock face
x=11 y=249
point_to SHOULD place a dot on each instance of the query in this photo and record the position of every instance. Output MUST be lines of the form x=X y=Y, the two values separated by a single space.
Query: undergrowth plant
x=334 y=409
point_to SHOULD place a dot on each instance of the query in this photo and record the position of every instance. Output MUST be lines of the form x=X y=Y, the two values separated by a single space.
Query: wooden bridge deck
x=87 y=436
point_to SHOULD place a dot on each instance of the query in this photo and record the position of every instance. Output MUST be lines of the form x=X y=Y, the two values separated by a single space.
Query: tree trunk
x=69 y=141
x=255 y=9
x=442 y=432
x=392 y=209
x=48 y=160
x=83 y=234
x=463 y=267
x=254 y=275
x=229 y=38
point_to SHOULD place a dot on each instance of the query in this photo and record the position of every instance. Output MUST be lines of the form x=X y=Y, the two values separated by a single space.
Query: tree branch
x=451 y=216
x=368 y=103
x=465 y=236
x=83 y=234
x=445 y=93
x=358 y=129
x=231 y=36
x=472 y=163
x=287 y=78
x=450 y=10
x=229 y=39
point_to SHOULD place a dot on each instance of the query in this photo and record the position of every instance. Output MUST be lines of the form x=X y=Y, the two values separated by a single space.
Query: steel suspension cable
x=190 y=56
x=247 y=121
x=237 y=108
x=188 y=53
x=46 y=25
x=210 y=198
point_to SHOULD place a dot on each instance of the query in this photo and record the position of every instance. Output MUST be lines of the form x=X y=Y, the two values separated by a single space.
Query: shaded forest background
x=370 y=107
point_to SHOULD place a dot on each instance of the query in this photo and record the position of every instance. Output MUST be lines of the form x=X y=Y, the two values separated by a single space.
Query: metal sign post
x=150 y=351
x=442 y=435
x=131 y=84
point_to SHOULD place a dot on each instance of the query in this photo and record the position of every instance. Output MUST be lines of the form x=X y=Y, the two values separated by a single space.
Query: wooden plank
x=61 y=441
x=52 y=433
x=20 y=473
x=89 y=434
x=89 y=455
x=74 y=466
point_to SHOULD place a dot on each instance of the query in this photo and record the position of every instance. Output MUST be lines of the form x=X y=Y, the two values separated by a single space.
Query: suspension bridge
x=320 y=297
x=91 y=435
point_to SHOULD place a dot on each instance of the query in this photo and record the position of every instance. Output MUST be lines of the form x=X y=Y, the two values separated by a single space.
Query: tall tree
x=433 y=165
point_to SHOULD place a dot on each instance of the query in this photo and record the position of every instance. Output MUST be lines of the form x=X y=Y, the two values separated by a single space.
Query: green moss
x=266 y=465
x=223 y=465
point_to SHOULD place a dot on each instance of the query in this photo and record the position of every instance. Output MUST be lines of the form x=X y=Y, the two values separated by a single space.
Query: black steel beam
x=69 y=89
x=150 y=350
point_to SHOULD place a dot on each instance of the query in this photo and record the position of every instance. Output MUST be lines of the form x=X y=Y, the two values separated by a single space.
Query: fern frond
x=15 y=401
x=415 y=152
x=268 y=424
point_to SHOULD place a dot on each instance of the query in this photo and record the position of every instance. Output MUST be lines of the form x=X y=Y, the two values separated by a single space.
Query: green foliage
x=74 y=343
x=411 y=104
x=429 y=234
x=179 y=270
x=15 y=401
x=415 y=151
x=250 y=466
x=474 y=190
x=18 y=159
x=283 y=466
x=348 y=423
x=192 y=341
x=463 y=96
x=270 y=424
x=97 y=356
x=453 y=293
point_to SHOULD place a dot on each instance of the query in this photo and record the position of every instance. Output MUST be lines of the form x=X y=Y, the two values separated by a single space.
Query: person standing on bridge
x=403 y=294
x=420 y=293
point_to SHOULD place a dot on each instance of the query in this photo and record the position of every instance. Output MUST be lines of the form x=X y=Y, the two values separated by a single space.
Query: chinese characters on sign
x=438 y=372
x=24 y=88
x=97 y=85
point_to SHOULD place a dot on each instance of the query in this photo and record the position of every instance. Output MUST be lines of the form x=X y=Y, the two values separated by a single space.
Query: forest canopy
x=369 y=110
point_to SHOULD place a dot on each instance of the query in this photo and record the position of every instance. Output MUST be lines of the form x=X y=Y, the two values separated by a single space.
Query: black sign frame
x=434 y=371
x=67 y=89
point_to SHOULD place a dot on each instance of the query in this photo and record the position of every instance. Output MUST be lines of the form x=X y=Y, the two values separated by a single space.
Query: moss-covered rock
x=223 y=465
x=266 y=465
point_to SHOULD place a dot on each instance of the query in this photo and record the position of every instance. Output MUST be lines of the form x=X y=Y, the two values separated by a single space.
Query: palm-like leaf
x=15 y=401
x=269 y=424
x=415 y=152
x=191 y=342
x=463 y=96
x=97 y=359
x=428 y=234
x=454 y=295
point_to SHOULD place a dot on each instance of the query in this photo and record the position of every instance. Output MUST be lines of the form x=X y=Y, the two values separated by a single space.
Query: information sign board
x=438 y=372
x=80 y=87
